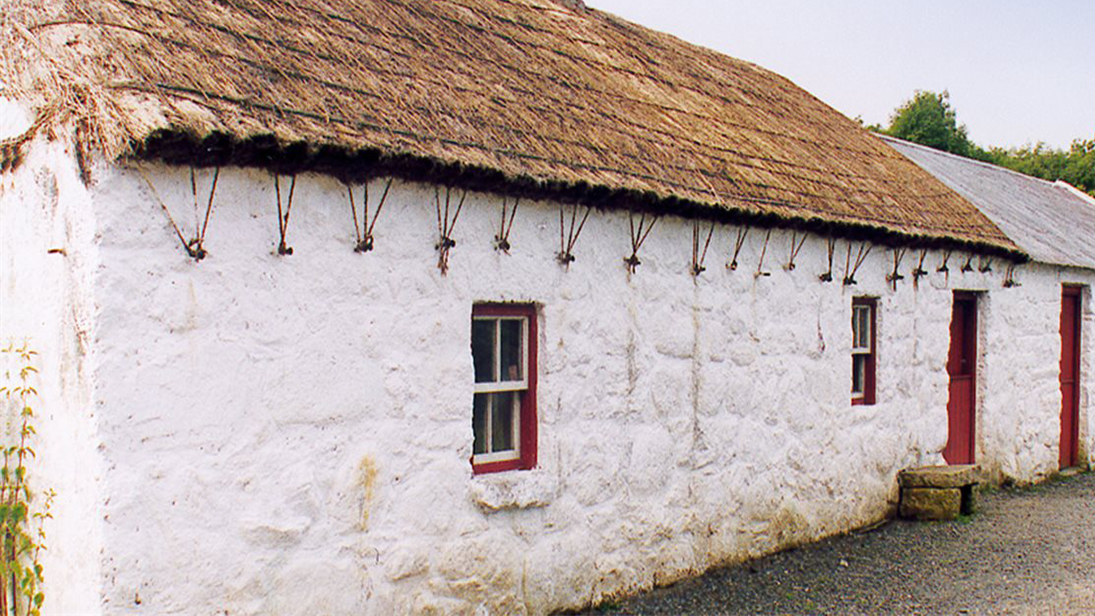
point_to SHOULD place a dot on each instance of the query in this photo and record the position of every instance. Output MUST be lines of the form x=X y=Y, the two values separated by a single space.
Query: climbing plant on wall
x=22 y=514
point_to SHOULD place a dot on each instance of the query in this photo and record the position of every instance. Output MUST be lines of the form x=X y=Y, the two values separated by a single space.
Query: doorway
x=1070 y=376
x=962 y=370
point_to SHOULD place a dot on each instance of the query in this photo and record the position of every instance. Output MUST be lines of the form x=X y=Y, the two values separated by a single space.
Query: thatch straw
x=535 y=95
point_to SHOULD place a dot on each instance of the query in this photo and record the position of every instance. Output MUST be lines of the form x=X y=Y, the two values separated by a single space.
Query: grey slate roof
x=1051 y=221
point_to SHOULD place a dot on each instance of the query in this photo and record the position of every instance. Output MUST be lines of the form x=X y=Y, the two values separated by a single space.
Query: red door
x=962 y=369
x=1070 y=376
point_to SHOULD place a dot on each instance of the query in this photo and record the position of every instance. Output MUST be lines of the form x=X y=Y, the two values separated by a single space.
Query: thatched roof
x=539 y=96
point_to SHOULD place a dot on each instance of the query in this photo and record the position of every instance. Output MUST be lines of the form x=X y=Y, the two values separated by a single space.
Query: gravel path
x=1025 y=551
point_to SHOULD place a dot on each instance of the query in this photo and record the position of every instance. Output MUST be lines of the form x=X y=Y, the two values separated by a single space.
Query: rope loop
x=943 y=269
x=831 y=248
x=920 y=271
x=895 y=276
x=1009 y=278
x=364 y=235
x=764 y=250
x=445 y=227
x=195 y=247
x=501 y=240
x=699 y=257
x=850 y=271
x=638 y=236
x=567 y=238
x=283 y=219
x=743 y=232
x=794 y=250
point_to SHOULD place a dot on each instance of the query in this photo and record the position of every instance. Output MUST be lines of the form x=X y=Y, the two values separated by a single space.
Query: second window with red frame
x=863 y=350
x=503 y=347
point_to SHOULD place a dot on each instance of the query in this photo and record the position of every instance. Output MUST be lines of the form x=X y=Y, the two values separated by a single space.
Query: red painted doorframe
x=1070 y=376
x=962 y=370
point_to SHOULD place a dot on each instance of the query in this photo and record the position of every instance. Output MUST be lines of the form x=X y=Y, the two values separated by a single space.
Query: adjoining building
x=478 y=306
x=1037 y=426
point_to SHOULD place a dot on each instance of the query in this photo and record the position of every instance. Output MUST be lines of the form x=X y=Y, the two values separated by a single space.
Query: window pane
x=512 y=347
x=865 y=327
x=861 y=327
x=482 y=349
x=502 y=416
x=479 y=422
x=859 y=373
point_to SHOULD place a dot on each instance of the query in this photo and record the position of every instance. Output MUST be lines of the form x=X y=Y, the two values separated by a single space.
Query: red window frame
x=867 y=397
x=527 y=438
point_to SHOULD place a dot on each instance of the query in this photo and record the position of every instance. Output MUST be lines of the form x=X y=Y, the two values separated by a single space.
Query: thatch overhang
x=534 y=97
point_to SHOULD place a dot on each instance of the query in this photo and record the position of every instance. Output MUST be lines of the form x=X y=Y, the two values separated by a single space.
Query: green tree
x=1075 y=166
x=928 y=119
x=1080 y=168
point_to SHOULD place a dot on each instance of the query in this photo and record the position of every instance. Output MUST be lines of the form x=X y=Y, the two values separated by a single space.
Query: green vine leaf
x=22 y=533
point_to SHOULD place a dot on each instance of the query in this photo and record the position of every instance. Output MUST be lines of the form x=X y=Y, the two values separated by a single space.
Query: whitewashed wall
x=47 y=302
x=1019 y=419
x=291 y=434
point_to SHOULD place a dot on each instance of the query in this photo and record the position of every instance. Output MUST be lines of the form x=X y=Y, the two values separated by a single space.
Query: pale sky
x=1018 y=71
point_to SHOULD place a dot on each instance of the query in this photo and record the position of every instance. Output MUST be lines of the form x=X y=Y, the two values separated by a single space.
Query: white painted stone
x=14 y=118
x=281 y=433
x=48 y=259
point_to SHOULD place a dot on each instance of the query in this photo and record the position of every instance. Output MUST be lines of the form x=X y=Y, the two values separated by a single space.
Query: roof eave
x=352 y=165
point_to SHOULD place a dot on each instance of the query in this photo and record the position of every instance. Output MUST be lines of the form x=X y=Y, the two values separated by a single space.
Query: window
x=863 y=350
x=503 y=350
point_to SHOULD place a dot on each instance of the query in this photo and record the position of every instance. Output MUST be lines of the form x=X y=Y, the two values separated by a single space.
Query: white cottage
x=474 y=307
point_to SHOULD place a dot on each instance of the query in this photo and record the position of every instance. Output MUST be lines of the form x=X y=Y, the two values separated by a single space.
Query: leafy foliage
x=929 y=119
x=21 y=533
x=1075 y=166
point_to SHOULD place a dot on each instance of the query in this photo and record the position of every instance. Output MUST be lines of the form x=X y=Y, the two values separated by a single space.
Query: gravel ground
x=1025 y=551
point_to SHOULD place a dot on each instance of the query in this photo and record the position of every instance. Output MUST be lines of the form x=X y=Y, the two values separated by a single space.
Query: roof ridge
x=1083 y=195
x=965 y=159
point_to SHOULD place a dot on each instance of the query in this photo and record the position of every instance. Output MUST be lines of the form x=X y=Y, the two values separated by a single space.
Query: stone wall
x=1019 y=414
x=291 y=434
x=47 y=263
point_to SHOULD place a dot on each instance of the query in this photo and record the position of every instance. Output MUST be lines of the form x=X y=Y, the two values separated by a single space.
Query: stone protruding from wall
x=937 y=492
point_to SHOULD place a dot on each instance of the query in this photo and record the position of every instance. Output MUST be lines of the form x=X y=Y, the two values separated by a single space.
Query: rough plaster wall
x=291 y=434
x=45 y=300
x=1019 y=424
x=1087 y=373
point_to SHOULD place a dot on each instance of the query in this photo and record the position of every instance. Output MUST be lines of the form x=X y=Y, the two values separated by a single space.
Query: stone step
x=937 y=492
x=950 y=476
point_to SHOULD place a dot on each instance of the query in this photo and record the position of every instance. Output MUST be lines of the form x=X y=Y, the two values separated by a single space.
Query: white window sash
x=496 y=360
x=508 y=454
x=866 y=349
x=494 y=388
x=862 y=327
x=501 y=456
